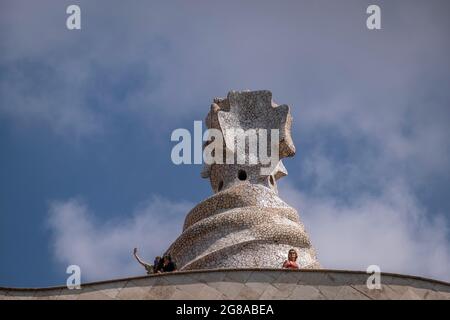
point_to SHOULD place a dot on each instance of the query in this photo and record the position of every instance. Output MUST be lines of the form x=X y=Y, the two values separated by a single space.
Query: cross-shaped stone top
x=258 y=117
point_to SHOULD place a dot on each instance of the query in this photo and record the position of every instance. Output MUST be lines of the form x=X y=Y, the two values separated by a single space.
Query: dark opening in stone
x=271 y=180
x=220 y=186
x=242 y=175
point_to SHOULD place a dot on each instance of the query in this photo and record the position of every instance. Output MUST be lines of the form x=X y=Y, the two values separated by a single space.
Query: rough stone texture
x=244 y=224
x=246 y=284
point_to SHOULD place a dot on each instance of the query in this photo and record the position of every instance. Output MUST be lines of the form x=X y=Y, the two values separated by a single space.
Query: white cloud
x=390 y=229
x=191 y=53
x=104 y=250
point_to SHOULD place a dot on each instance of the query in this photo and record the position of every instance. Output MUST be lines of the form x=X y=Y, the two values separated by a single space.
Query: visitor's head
x=292 y=255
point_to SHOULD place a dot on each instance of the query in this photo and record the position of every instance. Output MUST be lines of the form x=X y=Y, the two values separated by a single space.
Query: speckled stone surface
x=248 y=284
x=244 y=224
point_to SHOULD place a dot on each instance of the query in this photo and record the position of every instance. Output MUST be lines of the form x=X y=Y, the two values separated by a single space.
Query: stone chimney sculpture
x=244 y=224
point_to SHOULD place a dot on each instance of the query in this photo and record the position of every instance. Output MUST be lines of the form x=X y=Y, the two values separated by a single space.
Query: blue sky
x=86 y=118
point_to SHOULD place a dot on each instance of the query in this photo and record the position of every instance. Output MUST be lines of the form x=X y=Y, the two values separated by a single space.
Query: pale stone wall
x=246 y=284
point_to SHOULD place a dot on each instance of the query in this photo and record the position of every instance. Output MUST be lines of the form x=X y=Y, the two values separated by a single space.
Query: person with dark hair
x=168 y=265
x=165 y=264
x=157 y=264
x=291 y=262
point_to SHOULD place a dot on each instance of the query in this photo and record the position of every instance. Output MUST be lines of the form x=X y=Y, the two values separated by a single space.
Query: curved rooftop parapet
x=246 y=284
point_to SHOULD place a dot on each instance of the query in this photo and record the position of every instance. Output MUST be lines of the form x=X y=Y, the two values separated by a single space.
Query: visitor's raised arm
x=145 y=264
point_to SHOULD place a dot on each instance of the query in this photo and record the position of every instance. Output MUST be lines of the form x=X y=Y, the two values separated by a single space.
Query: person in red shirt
x=291 y=262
